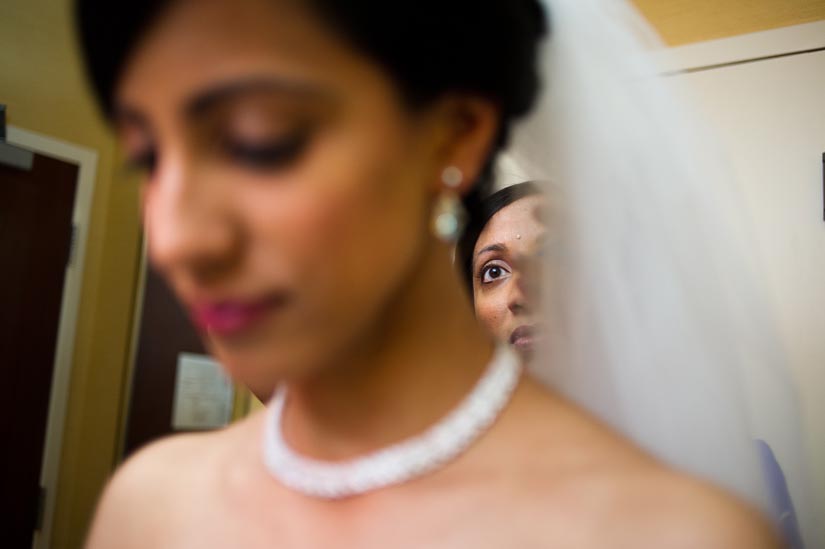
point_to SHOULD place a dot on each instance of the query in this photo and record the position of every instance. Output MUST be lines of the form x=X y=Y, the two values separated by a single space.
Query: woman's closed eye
x=258 y=155
x=266 y=154
x=494 y=272
x=142 y=161
x=138 y=143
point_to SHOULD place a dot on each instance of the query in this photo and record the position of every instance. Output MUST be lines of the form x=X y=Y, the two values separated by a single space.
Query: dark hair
x=429 y=47
x=480 y=214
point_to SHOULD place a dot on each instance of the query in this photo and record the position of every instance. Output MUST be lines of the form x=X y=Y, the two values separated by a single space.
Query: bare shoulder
x=616 y=494
x=140 y=496
x=148 y=490
x=662 y=508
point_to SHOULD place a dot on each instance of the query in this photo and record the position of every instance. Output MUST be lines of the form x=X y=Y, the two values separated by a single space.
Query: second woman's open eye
x=494 y=272
x=266 y=154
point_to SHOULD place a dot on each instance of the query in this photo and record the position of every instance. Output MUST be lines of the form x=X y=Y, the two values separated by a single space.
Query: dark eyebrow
x=207 y=100
x=498 y=247
x=124 y=114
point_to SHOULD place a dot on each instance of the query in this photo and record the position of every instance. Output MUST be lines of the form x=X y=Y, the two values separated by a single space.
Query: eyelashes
x=267 y=155
x=144 y=161
x=258 y=155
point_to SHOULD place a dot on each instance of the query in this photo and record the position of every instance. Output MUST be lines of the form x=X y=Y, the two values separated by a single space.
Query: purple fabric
x=781 y=503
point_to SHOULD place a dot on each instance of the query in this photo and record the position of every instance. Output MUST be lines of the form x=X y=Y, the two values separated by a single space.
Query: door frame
x=86 y=159
x=744 y=48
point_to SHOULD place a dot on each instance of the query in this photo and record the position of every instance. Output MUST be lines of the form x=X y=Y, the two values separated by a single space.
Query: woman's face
x=287 y=189
x=504 y=265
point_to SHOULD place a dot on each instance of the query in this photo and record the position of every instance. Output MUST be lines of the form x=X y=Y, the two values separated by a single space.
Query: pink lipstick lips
x=523 y=338
x=231 y=317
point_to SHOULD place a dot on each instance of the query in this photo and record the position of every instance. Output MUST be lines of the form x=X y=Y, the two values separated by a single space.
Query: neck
x=424 y=355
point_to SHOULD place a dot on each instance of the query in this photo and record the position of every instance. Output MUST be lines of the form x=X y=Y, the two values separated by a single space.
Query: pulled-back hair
x=428 y=47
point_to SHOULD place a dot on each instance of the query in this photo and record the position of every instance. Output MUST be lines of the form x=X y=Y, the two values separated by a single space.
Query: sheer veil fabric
x=657 y=318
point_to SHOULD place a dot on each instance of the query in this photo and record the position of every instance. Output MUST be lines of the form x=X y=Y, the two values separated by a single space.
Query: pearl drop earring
x=449 y=215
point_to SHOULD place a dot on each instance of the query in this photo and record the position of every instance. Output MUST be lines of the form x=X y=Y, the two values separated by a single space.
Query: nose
x=517 y=301
x=188 y=223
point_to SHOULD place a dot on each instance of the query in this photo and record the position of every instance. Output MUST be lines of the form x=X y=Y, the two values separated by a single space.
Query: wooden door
x=165 y=332
x=35 y=240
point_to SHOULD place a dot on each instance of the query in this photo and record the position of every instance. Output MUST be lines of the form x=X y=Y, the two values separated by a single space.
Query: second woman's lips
x=523 y=337
x=229 y=317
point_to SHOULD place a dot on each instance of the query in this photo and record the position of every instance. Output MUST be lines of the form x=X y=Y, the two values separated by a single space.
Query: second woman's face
x=504 y=268
x=287 y=189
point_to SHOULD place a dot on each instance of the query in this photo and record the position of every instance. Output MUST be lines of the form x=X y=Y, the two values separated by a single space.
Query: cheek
x=341 y=228
x=296 y=231
x=491 y=311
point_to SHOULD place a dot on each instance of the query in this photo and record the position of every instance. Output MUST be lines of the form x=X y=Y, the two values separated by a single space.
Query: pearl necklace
x=400 y=462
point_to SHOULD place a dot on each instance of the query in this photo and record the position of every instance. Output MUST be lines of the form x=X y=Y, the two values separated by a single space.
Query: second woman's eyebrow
x=217 y=95
x=497 y=247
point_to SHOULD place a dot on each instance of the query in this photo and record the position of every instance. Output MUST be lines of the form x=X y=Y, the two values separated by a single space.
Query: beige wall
x=41 y=83
x=685 y=21
x=770 y=118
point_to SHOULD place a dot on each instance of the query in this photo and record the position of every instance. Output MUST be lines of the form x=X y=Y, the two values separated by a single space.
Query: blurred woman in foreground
x=304 y=163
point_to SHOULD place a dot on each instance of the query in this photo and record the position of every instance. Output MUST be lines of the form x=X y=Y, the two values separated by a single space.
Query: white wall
x=771 y=117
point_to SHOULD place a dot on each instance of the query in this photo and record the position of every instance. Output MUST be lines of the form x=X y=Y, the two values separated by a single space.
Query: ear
x=469 y=125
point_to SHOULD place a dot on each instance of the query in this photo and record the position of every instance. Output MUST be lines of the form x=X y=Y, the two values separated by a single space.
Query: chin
x=525 y=352
x=261 y=366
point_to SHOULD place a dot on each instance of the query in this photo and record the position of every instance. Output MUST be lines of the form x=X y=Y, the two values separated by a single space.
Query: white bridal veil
x=656 y=313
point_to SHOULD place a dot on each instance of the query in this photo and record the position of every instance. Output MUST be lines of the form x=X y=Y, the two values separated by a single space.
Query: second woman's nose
x=517 y=301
